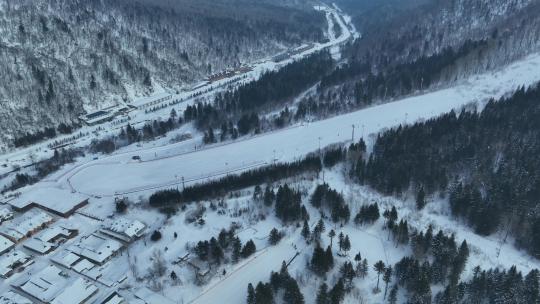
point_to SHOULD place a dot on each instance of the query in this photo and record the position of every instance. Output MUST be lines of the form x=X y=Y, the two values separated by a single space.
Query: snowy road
x=291 y=143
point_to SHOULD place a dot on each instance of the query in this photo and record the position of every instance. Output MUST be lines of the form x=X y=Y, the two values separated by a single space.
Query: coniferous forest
x=485 y=163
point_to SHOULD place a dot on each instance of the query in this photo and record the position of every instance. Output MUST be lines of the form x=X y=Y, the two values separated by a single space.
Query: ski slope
x=119 y=174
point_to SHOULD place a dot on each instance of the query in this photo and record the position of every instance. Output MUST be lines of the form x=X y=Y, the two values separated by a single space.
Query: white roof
x=59 y=200
x=46 y=284
x=95 y=248
x=38 y=245
x=13 y=298
x=42 y=243
x=114 y=298
x=9 y=260
x=65 y=258
x=28 y=222
x=5 y=213
x=5 y=243
x=76 y=293
x=150 y=297
x=122 y=227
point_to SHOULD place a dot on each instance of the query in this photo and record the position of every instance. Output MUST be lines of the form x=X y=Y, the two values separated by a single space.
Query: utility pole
x=353 y=133
x=183 y=184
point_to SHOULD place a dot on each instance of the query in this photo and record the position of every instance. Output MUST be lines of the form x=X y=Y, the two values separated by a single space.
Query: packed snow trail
x=295 y=142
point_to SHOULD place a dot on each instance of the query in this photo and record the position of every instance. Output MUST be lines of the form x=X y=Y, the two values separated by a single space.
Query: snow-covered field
x=165 y=166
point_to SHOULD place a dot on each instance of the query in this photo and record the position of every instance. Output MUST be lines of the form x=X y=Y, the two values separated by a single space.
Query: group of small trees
x=288 y=205
x=279 y=281
x=327 y=198
x=368 y=214
x=216 y=251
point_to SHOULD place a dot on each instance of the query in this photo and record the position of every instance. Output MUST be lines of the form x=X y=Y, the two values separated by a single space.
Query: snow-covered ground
x=165 y=166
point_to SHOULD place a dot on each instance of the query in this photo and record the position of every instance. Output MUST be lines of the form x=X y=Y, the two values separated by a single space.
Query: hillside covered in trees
x=59 y=57
x=486 y=164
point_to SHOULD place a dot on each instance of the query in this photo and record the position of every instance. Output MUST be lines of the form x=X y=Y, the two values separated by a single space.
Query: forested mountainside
x=59 y=56
x=485 y=163
x=417 y=46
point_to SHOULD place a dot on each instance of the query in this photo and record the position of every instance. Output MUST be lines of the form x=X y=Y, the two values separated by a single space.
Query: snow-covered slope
x=164 y=166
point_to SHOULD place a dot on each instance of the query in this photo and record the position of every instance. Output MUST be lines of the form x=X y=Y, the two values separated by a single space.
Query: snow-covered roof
x=46 y=284
x=13 y=298
x=28 y=223
x=108 y=274
x=150 y=297
x=113 y=298
x=9 y=261
x=38 y=246
x=95 y=248
x=78 y=292
x=5 y=244
x=5 y=214
x=65 y=258
x=44 y=241
x=124 y=229
x=53 y=199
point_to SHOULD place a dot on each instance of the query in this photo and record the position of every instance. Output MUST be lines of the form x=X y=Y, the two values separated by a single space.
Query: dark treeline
x=274 y=88
x=44 y=168
x=360 y=83
x=167 y=198
x=487 y=162
x=234 y=111
x=130 y=134
x=401 y=78
x=32 y=138
x=494 y=286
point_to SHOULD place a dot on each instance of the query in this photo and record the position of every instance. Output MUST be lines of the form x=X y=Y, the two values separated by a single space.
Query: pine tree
x=174 y=277
x=329 y=257
x=305 y=231
x=387 y=277
x=337 y=293
x=421 y=199
x=331 y=235
x=392 y=297
x=264 y=294
x=248 y=249
x=236 y=249
x=379 y=268
x=251 y=294
x=341 y=239
x=274 y=237
x=292 y=294
x=364 y=269
x=322 y=295
x=346 y=244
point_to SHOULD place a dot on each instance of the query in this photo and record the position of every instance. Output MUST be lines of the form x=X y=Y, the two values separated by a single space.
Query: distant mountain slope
x=417 y=45
x=58 y=56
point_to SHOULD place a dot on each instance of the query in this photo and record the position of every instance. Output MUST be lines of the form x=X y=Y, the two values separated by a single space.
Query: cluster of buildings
x=292 y=52
x=69 y=266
